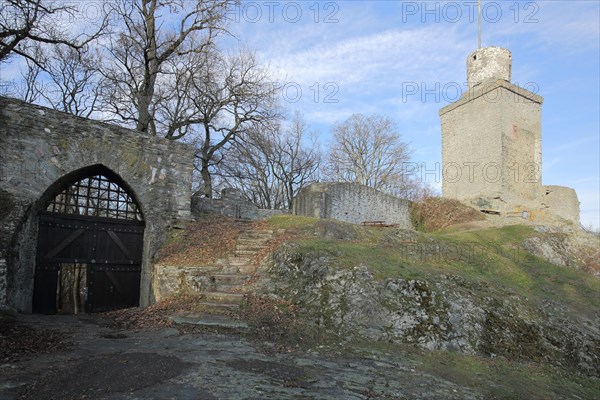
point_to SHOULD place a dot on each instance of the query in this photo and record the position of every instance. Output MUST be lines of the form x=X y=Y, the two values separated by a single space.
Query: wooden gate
x=109 y=250
x=85 y=262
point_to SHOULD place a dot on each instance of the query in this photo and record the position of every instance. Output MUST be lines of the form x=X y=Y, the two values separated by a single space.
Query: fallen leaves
x=155 y=316
x=201 y=242
x=17 y=340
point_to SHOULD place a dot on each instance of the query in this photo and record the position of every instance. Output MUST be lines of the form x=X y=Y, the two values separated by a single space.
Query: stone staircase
x=222 y=284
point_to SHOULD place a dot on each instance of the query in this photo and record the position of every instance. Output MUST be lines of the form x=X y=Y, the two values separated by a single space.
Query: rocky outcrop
x=446 y=312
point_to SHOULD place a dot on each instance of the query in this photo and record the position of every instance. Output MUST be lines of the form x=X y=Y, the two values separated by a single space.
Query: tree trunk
x=290 y=196
x=207 y=178
x=152 y=65
x=143 y=114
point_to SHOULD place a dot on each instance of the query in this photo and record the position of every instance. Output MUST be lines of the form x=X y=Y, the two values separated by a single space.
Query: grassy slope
x=493 y=256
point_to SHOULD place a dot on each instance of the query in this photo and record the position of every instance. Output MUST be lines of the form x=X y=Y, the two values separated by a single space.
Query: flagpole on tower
x=478 y=24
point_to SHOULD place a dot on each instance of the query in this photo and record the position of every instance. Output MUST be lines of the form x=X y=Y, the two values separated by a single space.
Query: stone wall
x=491 y=145
x=352 y=202
x=231 y=204
x=43 y=149
x=563 y=202
x=488 y=63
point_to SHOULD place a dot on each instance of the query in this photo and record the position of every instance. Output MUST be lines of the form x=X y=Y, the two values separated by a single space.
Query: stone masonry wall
x=488 y=63
x=231 y=204
x=562 y=201
x=43 y=149
x=352 y=202
x=491 y=146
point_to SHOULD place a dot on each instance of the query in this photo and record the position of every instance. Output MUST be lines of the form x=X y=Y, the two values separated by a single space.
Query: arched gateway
x=84 y=207
x=89 y=247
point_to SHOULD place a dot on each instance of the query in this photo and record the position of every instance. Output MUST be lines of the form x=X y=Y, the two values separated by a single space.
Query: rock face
x=448 y=314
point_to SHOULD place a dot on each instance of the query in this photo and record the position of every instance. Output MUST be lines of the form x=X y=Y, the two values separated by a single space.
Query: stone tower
x=492 y=144
x=491 y=137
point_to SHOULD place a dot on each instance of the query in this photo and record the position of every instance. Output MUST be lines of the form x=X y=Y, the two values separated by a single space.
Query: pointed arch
x=89 y=245
x=94 y=191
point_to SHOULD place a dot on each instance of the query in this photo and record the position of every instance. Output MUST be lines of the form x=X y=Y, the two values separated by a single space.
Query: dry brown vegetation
x=200 y=242
x=155 y=316
x=588 y=258
x=435 y=213
x=277 y=320
x=18 y=340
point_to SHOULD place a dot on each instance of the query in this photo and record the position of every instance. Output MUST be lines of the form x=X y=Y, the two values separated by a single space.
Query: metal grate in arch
x=96 y=196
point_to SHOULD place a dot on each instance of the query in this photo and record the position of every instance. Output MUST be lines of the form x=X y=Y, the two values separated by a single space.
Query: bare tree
x=26 y=22
x=367 y=150
x=30 y=88
x=148 y=41
x=271 y=165
x=410 y=187
x=218 y=101
x=66 y=79
x=297 y=163
x=249 y=166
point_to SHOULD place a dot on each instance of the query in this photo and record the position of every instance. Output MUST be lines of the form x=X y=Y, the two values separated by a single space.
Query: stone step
x=201 y=269
x=248 y=245
x=231 y=261
x=225 y=288
x=218 y=307
x=260 y=241
x=243 y=253
x=256 y=238
x=223 y=297
x=229 y=279
x=256 y=235
x=240 y=260
x=209 y=321
x=244 y=269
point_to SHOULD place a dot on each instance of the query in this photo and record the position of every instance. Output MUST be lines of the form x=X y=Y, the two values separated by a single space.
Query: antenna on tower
x=478 y=24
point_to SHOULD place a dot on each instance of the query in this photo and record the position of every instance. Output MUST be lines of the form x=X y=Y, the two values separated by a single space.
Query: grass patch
x=291 y=221
x=494 y=378
x=513 y=267
x=503 y=379
x=493 y=256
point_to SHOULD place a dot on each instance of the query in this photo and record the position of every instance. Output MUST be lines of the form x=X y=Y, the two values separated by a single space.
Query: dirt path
x=106 y=363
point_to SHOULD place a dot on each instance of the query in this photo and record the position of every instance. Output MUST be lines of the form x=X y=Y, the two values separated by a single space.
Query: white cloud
x=370 y=61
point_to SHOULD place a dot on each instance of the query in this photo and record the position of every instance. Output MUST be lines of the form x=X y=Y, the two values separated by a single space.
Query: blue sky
x=343 y=57
x=369 y=56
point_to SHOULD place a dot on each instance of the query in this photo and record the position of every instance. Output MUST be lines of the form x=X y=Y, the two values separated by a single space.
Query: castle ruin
x=492 y=146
